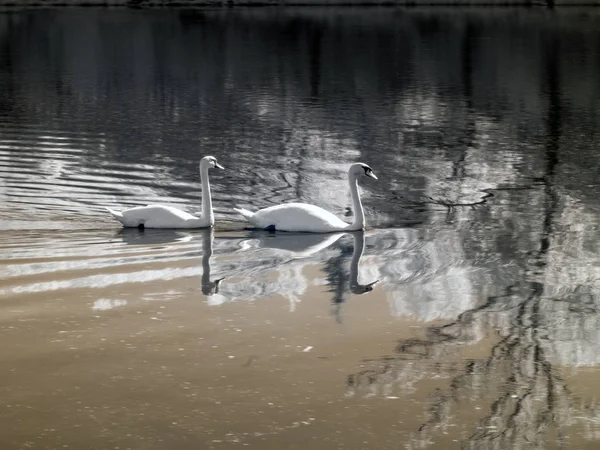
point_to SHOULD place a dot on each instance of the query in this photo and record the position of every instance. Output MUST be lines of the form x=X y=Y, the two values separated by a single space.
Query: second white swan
x=159 y=216
x=310 y=218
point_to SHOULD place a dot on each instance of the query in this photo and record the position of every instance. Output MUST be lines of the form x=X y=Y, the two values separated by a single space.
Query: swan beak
x=371 y=174
x=219 y=166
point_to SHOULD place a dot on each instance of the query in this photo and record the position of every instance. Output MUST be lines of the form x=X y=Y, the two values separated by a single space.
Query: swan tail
x=244 y=212
x=116 y=214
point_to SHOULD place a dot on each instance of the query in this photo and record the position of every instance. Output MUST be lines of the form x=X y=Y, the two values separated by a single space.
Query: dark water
x=483 y=326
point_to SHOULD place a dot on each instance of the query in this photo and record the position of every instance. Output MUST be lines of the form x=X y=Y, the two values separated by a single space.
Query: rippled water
x=467 y=315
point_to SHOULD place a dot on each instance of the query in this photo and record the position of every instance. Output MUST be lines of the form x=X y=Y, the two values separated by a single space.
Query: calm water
x=467 y=316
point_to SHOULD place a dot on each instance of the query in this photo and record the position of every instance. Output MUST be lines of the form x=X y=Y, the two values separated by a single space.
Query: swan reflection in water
x=152 y=236
x=160 y=239
x=209 y=287
x=337 y=274
x=299 y=245
x=245 y=261
x=294 y=251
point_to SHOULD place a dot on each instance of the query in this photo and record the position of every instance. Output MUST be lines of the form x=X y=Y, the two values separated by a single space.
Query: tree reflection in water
x=546 y=319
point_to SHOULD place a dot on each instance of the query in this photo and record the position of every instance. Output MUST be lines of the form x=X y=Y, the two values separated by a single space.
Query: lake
x=465 y=316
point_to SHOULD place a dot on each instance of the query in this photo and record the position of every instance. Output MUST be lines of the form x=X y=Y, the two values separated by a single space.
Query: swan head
x=210 y=162
x=361 y=169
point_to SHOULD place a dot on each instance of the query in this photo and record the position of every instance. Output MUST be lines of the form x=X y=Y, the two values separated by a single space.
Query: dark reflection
x=209 y=287
x=133 y=236
x=553 y=136
x=342 y=280
x=315 y=38
x=359 y=248
x=299 y=244
x=151 y=237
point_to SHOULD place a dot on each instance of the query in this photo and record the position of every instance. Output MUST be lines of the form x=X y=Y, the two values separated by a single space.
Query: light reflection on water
x=429 y=279
x=467 y=312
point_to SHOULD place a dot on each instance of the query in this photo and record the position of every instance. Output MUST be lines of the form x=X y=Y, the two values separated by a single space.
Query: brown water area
x=466 y=315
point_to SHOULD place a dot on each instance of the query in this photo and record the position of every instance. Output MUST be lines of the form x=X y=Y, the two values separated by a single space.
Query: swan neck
x=207 y=210
x=359 y=214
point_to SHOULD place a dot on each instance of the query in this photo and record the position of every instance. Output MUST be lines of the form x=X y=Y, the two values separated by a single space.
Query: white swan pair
x=287 y=217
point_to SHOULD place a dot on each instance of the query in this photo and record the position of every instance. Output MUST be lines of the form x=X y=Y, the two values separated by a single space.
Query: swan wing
x=297 y=217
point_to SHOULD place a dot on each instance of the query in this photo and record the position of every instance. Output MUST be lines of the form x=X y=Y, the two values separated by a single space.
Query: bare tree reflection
x=529 y=400
x=527 y=395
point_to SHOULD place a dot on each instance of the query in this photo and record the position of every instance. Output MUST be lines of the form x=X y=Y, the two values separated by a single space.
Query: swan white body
x=303 y=217
x=160 y=216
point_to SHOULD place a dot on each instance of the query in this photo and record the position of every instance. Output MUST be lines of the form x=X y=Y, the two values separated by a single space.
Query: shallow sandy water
x=151 y=364
x=110 y=344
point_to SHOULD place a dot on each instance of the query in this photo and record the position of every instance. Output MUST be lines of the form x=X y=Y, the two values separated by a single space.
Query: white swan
x=159 y=216
x=311 y=218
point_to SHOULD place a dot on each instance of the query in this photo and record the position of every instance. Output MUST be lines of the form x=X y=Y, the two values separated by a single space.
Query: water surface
x=465 y=316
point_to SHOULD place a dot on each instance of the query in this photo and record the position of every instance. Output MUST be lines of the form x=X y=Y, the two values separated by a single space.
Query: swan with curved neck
x=310 y=218
x=159 y=216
